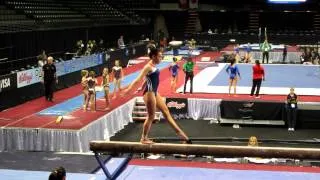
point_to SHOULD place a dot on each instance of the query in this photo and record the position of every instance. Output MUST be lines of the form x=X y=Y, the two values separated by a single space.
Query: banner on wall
x=32 y=76
x=28 y=77
x=178 y=107
x=8 y=82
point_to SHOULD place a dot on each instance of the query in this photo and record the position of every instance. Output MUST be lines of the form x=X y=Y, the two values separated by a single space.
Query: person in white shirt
x=121 y=42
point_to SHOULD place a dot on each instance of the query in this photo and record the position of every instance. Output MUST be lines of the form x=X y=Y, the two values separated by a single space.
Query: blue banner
x=78 y=64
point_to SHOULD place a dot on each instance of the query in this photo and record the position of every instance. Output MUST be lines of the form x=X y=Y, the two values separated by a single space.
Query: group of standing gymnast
x=258 y=75
x=188 y=68
x=89 y=83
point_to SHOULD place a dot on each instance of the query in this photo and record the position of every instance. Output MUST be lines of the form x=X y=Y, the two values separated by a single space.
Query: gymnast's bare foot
x=146 y=141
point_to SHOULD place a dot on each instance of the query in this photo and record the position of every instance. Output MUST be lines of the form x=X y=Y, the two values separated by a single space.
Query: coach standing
x=265 y=48
x=258 y=76
x=188 y=70
x=49 y=78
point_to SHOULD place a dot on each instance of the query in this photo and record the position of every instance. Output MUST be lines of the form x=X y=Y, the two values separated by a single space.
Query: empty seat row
x=49 y=12
x=65 y=20
x=12 y=17
x=6 y=11
x=41 y=8
x=59 y=16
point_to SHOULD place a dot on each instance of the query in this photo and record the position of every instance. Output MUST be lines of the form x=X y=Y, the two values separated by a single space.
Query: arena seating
x=10 y=21
x=129 y=4
x=50 y=13
x=99 y=11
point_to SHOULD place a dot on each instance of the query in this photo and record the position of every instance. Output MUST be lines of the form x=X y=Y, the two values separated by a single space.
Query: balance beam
x=197 y=149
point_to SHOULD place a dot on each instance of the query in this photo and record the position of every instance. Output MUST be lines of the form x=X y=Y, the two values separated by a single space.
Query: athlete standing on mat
x=117 y=73
x=258 y=76
x=174 y=68
x=105 y=85
x=84 y=84
x=152 y=98
x=91 y=100
x=292 y=106
x=234 y=73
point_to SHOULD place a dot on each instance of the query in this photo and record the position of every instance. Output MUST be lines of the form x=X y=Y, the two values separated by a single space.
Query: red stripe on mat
x=257 y=167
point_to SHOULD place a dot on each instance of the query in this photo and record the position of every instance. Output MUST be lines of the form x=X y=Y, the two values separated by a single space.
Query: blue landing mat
x=133 y=172
x=74 y=103
x=184 y=173
x=298 y=76
x=7 y=174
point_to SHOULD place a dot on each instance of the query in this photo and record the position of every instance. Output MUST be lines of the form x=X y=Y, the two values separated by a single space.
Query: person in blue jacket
x=234 y=75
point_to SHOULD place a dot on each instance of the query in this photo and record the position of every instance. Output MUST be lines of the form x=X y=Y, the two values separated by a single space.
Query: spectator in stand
x=314 y=56
x=49 y=78
x=307 y=57
x=292 y=106
x=89 y=48
x=258 y=76
x=42 y=58
x=58 y=174
x=93 y=46
x=121 y=44
x=101 y=46
x=80 y=48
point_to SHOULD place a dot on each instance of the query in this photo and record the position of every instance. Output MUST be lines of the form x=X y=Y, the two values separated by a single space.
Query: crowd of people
x=310 y=55
x=91 y=47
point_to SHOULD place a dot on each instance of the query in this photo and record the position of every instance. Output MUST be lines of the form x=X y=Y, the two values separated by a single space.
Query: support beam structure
x=197 y=149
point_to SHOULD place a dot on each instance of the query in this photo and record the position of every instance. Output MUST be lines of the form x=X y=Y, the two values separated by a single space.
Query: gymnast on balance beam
x=152 y=98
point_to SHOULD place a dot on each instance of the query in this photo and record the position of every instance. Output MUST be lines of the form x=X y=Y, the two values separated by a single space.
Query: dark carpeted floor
x=46 y=161
x=202 y=128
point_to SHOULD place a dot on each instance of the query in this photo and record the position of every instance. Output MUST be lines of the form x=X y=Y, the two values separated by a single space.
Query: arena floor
x=39 y=114
x=279 y=79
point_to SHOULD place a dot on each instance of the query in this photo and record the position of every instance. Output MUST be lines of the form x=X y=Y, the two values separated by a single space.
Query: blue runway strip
x=74 y=103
